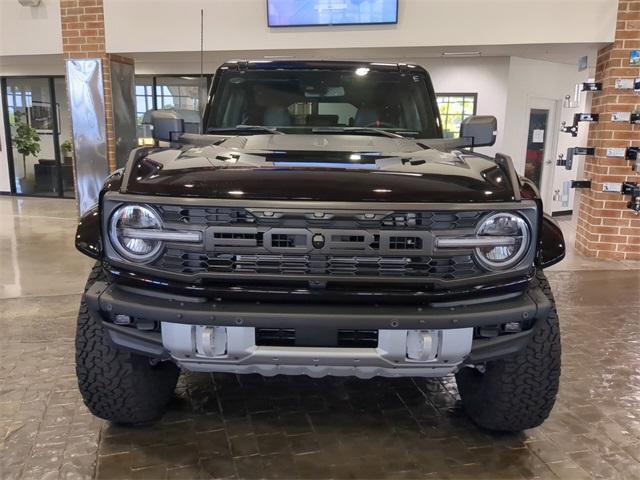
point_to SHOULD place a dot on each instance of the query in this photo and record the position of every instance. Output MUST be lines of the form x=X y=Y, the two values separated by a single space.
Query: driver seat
x=366 y=116
x=277 y=117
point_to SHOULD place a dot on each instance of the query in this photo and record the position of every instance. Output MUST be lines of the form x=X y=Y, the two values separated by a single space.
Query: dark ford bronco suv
x=320 y=225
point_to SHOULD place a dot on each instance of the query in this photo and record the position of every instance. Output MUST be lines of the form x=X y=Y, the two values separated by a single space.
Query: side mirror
x=478 y=131
x=167 y=125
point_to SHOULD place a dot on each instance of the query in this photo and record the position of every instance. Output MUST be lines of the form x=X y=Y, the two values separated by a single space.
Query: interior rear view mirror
x=478 y=131
x=167 y=125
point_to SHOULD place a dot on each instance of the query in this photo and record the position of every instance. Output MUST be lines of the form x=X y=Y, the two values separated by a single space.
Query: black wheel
x=517 y=392
x=116 y=385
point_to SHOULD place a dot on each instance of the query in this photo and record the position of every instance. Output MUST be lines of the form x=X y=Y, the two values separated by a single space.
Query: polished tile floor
x=290 y=427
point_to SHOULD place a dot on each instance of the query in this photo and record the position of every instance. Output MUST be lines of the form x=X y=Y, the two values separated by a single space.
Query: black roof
x=320 y=65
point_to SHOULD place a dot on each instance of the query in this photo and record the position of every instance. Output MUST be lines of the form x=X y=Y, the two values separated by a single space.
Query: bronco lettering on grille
x=301 y=240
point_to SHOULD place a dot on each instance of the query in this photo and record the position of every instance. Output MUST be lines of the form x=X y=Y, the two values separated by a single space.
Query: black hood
x=342 y=168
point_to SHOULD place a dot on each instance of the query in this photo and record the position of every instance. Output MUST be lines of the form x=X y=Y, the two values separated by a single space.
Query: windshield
x=308 y=101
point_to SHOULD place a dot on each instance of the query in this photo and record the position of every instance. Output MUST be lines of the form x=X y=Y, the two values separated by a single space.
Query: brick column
x=83 y=37
x=606 y=228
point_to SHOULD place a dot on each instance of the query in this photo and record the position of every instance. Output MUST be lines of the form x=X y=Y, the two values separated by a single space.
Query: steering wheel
x=378 y=124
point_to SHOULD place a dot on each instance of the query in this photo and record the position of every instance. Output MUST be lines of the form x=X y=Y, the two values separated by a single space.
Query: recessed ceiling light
x=461 y=54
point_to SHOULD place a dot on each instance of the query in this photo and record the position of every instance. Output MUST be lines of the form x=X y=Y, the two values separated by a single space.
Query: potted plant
x=66 y=149
x=27 y=142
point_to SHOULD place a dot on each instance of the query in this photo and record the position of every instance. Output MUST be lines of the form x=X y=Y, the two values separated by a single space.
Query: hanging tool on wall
x=567 y=162
x=591 y=87
x=633 y=154
x=578 y=117
x=580 y=183
x=588 y=87
x=632 y=189
x=627 y=188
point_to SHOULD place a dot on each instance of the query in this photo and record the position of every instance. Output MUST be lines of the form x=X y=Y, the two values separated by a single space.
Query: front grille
x=334 y=244
x=290 y=337
x=205 y=216
x=209 y=216
x=358 y=338
x=448 y=268
x=275 y=337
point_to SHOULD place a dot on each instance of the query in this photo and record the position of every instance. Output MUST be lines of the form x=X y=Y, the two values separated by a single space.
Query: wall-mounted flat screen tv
x=307 y=13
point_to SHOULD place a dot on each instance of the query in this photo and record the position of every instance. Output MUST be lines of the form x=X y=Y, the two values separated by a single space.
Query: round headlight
x=499 y=257
x=125 y=221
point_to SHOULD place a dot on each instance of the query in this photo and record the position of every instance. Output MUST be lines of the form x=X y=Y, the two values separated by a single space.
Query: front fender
x=552 y=247
x=88 y=239
x=88 y=233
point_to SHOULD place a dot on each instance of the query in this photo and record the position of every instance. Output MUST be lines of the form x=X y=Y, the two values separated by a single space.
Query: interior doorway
x=540 y=148
x=38 y=136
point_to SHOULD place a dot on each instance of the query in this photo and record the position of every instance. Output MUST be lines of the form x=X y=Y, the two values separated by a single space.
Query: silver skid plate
x=195 y=348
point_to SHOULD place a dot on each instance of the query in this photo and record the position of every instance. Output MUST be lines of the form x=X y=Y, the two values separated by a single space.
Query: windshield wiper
x=240 y=129
x=355 y=131
x=404 y=132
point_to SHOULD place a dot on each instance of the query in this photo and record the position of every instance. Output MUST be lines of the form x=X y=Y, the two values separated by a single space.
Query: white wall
x=27 y=65
x=505 y=88
x=174 y=25
x=529 y=79
x=30 y=30
x=488 y=77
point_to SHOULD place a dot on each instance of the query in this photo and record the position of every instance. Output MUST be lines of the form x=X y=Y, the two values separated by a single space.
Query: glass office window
x=144 y=97
x=179 y=93
x=185 y=94
x=454 y=108
x=41 y=159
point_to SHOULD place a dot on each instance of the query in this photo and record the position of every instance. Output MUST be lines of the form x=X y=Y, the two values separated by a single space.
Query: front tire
x=517 y=392
x=116 y=385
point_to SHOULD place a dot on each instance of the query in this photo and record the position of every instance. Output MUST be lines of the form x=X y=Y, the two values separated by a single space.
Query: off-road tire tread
x=117 y=385
x=517 y=392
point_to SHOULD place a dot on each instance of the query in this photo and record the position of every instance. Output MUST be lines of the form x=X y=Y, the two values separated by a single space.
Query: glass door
x=36 y=159
x=536 y=137
x=540 y=149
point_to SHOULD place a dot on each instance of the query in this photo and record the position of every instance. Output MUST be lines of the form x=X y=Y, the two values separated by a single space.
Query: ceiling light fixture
x=461 y=54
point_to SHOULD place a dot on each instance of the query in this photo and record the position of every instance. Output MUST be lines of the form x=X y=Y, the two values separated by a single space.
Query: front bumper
x=182 y=317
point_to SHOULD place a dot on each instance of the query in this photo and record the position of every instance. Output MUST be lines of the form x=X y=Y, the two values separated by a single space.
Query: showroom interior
x=81 y=82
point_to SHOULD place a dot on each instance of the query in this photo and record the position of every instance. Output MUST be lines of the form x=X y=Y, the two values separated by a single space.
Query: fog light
x=422 y=345
x=211 y=341
x=122 y=320
x=512 y=327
